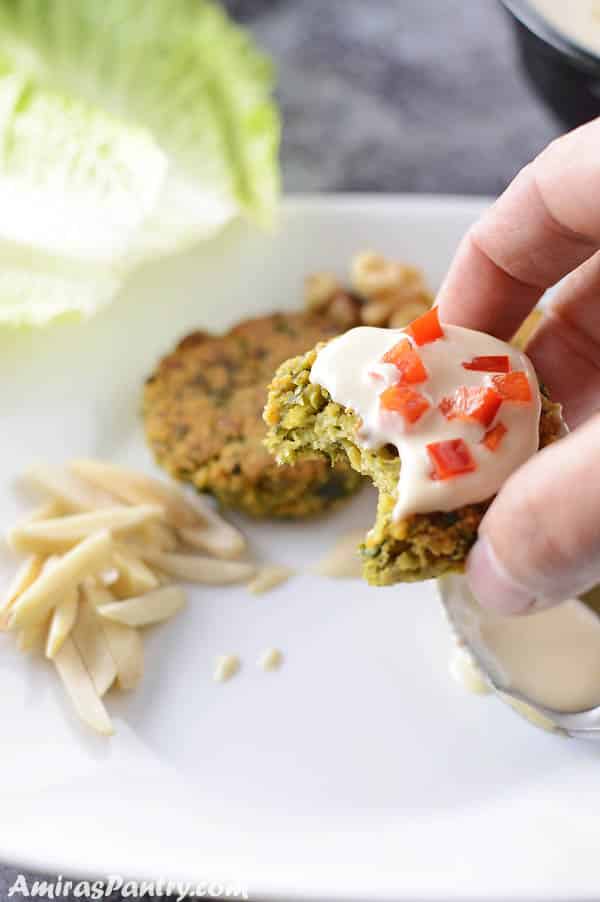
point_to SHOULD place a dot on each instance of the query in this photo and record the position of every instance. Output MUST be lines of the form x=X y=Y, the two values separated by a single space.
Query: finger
x=565 y=349
x=539 y=542
x=544 y=225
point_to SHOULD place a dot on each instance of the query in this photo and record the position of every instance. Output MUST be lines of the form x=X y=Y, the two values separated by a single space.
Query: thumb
x=539 y=542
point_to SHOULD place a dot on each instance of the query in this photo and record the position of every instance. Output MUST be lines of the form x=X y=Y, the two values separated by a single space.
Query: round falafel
x=203 y=415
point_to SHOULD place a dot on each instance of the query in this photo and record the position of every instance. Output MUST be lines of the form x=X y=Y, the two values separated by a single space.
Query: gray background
x=394 y=95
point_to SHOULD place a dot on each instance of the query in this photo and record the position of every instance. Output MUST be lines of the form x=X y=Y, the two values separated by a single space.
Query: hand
x=539 y=542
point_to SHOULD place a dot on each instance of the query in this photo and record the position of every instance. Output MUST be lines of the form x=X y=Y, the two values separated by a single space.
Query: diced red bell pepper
x=407 y=361
x=405 y=401
x=478 y=403
x=450 y=458
x=494 y=436
x=499 y=364
x=513 y=387
x=426 y=328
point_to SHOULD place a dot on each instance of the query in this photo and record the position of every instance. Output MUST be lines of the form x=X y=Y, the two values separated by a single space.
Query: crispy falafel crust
x=304 y=423
x=203 y=417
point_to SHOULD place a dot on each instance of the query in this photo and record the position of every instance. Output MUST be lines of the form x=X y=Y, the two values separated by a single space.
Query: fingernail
x=491 y=585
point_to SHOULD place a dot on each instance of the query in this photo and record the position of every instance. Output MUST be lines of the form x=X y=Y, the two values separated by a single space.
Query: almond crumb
x=271 y=659
x=226 y=667
x=268 y=578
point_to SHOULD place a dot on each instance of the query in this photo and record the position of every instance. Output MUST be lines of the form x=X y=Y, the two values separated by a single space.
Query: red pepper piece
x=494 y=436
x=426 y=328
x=407 y=361
x=479 y=403
x=499 y=364
x=513 y=387
x=405 y=401
x=451 y=458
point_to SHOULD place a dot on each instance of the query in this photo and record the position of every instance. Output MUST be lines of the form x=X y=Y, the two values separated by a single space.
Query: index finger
x=544 y=226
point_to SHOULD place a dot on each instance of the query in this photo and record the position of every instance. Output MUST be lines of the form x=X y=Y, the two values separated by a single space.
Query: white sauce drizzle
x=350 y=369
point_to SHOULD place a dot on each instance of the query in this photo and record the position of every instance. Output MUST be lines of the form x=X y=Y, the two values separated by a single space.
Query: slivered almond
x=93 y=647
x=269 y=577
x=62 y=622
x=124 y=642
x=90 y=556
x=134 y=488
x=159 y=535
x=80 y=689
x=217 y=537
x=45 y=536
x=23 y=578
x=45 y=511
x=134 y=577
x=71 y=493
x=127 y=648
x=41 y=566
x=208 y=531
x=214 y=534
x=32 y=637
x=197 y=569
x=153 y=607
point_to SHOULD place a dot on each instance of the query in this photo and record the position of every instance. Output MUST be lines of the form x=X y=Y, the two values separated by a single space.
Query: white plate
x=360 y=770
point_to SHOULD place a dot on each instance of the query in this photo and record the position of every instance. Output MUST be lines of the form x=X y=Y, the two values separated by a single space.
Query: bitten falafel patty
x=306 y=423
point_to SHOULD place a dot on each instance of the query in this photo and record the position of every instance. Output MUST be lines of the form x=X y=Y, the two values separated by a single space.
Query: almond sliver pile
x=102 y=559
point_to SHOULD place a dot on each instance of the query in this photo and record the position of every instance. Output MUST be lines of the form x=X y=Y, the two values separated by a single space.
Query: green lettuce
x=128 y=129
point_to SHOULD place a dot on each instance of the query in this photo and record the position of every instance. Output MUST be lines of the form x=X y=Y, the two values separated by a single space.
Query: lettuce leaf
x=128 y=129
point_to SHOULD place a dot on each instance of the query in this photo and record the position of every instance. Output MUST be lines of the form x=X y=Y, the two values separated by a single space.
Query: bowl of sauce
x=559 y=48
x=551 y=657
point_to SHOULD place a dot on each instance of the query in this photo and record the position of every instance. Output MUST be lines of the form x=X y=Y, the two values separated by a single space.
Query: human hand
x=539 y=542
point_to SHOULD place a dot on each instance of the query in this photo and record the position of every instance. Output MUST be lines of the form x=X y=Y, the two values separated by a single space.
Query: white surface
x=360 y=770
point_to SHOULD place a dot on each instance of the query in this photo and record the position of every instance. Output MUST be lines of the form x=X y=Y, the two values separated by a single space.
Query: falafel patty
x=305 y=424
x=203 y=415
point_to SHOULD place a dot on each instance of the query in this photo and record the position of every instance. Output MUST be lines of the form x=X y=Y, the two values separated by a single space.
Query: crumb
x=271 y=659
x=269 y=577
x=226 y=666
